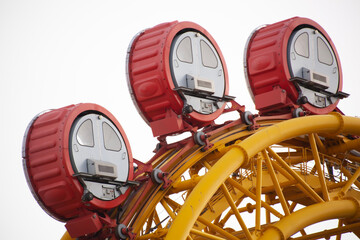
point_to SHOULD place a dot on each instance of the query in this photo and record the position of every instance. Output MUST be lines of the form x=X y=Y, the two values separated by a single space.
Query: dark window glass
x=324 y=53
x=302 y=45
x=111 y=140
x=208 y=57
x=184 y=50
x=85 y=135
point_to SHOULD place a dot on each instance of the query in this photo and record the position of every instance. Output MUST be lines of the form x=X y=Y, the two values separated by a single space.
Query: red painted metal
x=48 y=166
x=84 y=225
x=151 y=84
x=91 y=226
x=267 y=67
x=47 y=160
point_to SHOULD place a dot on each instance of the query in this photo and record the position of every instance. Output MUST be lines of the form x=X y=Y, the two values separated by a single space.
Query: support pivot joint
x=202 y=139
x=160 y=177
x=123 y=232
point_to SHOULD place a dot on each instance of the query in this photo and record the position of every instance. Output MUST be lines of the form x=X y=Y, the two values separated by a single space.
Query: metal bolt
x=188 y=109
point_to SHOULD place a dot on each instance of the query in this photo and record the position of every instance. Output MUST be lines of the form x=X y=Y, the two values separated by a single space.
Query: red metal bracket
x=124 y=232
x=235 y=107
x=160 y=177
x=254 y=125
x=142 y=168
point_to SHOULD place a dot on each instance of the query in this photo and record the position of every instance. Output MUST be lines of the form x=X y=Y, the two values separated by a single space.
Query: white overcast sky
x=56 y=53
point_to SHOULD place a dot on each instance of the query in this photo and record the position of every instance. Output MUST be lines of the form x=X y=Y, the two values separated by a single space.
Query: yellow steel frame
x=248 y=152
x=185 y=163
x=240 y=154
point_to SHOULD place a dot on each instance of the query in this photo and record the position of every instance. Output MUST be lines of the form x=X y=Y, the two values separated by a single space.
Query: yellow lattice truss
x=272 y=183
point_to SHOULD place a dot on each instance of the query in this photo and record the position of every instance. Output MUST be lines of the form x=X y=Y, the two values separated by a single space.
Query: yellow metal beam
x=185 y=185
x=253 y=197
x=349 y=176
x=205 y=235
x=298 y=220
x=235 y=211
x=258 y=193
x=295 y=175
x=229 y=214
x=344 y=147
x=319 y=143
x=155 y=235
x=149 y=222
x=67 y=236
x=241 y=152
x=157 y=220
x=292 y=181
x=340 y=224
x=276 y=183
x=167 y=208
x=326 y=234
x=350 y=182
x=213 y=227
x=315 y=153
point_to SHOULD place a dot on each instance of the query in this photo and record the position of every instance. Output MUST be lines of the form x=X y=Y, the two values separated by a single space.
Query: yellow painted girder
x=276 y=183
x=192 y=157
x=298 y=220
x=317 y=160
x=67 y=236
x=331 y=232
x=240 y=153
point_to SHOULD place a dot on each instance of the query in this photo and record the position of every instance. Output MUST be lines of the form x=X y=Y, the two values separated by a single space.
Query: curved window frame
x=328 y=50
x=307 y=48
x=78 y=139
x=105 y=139
x=213 y=56
x=187 y=48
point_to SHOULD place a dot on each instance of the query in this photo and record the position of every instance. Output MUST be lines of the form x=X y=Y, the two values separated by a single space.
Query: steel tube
x=241 y=152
